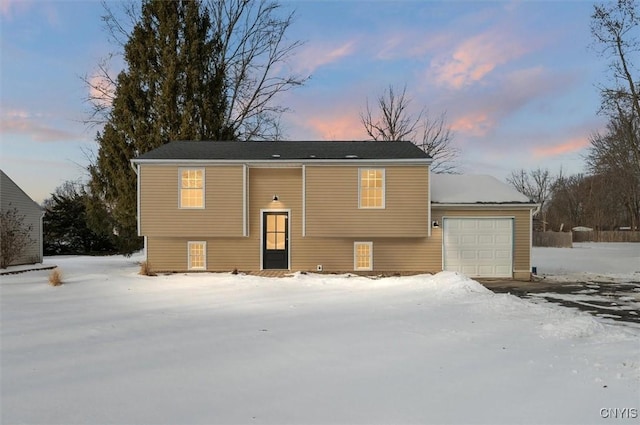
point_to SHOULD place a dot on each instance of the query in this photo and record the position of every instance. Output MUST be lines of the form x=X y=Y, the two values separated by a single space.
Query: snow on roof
x=472 y=189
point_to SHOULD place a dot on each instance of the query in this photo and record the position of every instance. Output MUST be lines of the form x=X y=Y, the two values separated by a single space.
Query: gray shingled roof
x=287 y=150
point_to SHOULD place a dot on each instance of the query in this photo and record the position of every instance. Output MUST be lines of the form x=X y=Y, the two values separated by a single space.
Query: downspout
x=429 y=201
x=42 y=236
x=136 y=169
x=532 y=213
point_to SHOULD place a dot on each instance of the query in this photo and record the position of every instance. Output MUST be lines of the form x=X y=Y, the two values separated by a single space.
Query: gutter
x=481 y=205
x=276 y=162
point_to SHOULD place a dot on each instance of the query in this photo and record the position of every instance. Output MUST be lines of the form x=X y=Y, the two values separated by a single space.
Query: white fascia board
x=484 y=206
x=280 y=163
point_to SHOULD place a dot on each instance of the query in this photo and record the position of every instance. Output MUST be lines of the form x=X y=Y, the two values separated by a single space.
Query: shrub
x=145 y=269
x=55 y=277
x=15 y=236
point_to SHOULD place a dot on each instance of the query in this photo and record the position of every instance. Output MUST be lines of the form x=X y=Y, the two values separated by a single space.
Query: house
x=11 y=196
x=322 y=206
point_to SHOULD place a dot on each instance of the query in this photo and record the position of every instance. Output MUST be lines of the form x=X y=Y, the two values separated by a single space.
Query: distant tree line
x=607 y=195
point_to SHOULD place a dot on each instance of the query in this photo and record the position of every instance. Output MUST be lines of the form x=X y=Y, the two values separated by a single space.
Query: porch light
x=275 y=198
x=435 y=224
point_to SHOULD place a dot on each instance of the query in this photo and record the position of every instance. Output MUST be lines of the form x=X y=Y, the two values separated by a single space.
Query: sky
x=517 y=79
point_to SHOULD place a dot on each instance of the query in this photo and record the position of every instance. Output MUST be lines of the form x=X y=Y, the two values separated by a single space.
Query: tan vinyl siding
x=332 y=203
x=334 y=254
x=161 y=214
x=521 y=232
x=242 y=253
x=389 y=254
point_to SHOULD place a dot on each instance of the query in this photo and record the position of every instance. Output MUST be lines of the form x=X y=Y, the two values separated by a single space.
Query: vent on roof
x=275 y=155
x=312 y=156
x=351 y=156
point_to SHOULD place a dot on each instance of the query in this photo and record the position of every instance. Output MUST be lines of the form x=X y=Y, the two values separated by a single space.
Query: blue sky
x=517 y=79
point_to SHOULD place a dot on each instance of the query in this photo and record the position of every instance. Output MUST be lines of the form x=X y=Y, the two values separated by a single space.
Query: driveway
x=618 y=300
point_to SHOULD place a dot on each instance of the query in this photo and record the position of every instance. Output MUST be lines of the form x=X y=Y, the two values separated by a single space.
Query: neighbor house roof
x=473 y=189
x=9 y=190
x=285 y=150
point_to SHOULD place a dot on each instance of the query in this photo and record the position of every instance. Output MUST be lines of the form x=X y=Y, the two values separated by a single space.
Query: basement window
x=197 y=255
x=363 y=256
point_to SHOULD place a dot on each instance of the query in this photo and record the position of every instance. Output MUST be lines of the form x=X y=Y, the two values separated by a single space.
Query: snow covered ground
x=616 y=261
x=112 y=347
x=601 y=278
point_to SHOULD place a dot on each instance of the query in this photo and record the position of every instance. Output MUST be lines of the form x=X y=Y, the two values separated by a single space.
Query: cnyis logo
x=619 y=413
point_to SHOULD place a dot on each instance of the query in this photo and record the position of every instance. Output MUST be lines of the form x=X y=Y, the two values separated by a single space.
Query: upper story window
x=371 y=191
x=192 y=188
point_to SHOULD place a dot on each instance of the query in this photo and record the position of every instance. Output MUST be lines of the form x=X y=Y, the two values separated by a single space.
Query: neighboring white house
x=11 y=196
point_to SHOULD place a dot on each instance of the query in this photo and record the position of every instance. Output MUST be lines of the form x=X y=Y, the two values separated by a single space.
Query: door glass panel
x=276 y=227
x=271 y=241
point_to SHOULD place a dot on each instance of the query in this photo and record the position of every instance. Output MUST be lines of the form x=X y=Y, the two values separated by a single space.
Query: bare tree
x=15 y=236
x=611 y=158
x=614 y=154
x=536 y=185
x=392 y=120
x=614 y=28
x=437 y=141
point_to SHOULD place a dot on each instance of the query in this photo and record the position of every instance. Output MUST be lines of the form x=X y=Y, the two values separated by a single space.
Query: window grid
x=192 y=188
x=371 y=188
x=363 y=256
x=197 y=255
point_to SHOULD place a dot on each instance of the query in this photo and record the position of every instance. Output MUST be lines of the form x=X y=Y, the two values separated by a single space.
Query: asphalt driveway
x=619 y=301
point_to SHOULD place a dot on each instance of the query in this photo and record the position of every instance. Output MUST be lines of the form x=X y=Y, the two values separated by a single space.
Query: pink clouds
x=13 y=8
x=474 y=58
x=9 y=8
x=408 y=44
x=19 y=122
x=313 y=56
x=101 y=90
x=476 y=123
x=337 y=126
x=572 y=145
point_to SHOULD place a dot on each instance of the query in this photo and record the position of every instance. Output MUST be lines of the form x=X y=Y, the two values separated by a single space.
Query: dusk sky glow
x=517 y=79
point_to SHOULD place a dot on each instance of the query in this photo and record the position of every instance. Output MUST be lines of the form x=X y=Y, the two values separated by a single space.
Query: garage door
x=478 y=247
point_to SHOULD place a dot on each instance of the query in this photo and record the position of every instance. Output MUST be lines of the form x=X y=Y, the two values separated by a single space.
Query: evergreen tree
x=171 y=90
x=65 y=225
x=194 y=71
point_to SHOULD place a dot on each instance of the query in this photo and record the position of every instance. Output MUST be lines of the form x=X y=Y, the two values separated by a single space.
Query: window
x=197 y=255
x=363 y=255
x=371 y=188
x=191 y=188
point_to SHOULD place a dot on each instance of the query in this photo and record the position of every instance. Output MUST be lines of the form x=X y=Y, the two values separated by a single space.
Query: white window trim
x=384 y=188
x=189 y=244
x=355 y=256
x=204 y=184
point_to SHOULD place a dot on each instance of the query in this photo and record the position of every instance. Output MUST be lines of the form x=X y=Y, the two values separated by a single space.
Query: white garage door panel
x=478 y=247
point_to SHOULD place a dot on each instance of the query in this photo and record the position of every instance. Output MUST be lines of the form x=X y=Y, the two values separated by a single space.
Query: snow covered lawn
x=615 y=261
x=112 y=347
